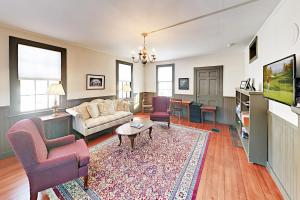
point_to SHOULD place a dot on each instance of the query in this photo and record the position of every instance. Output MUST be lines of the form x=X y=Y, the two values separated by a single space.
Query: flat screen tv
x=279 y=80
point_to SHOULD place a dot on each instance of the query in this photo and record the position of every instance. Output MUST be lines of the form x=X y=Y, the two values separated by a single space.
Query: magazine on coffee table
x=136 y=125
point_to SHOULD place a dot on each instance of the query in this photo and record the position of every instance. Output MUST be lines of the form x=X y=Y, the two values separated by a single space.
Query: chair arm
x=59 y=163
x=53 y=172
x=60 y=141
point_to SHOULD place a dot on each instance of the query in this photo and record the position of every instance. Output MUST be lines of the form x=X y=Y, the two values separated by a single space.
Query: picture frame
x=243 y=84
x=253 y=50
x=95 y=82
x=183 y=83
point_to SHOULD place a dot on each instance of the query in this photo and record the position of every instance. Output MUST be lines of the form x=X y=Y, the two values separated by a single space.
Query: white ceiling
x=114 y=26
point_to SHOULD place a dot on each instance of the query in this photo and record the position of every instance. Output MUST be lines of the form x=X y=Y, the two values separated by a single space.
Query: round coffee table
x=131 y=132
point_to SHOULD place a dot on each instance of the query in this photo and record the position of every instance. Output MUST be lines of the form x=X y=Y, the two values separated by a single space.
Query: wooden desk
x=57 y=126
x=209 y=109
x=185 y=103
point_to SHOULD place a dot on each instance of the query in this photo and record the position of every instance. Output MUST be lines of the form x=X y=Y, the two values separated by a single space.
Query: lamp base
x=55 y=111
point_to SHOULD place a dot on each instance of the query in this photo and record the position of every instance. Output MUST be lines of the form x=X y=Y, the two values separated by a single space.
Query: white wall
x=80 y=61
x=231 y=58
x=277 y=39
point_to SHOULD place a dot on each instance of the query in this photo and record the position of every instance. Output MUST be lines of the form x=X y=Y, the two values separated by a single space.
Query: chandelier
x=143 y=54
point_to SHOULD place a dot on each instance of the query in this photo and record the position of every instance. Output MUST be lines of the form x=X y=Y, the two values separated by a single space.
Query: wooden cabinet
x=251 y=116
x=57 y=126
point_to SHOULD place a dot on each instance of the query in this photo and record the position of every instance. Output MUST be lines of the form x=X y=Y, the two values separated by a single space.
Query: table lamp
x=56 y=89
x=126 y=88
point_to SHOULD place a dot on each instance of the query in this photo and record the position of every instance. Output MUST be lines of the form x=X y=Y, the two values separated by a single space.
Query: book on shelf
x=245 y=118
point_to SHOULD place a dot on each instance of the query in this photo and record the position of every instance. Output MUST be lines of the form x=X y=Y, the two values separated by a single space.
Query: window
x=34 y=97
x=164 y=83
x=33 y=68
x=124 y=79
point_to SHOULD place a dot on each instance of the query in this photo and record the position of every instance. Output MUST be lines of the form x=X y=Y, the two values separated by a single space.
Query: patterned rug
x=167 y=167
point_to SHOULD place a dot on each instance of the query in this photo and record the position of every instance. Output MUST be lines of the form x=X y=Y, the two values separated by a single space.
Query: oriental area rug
x=168 y=166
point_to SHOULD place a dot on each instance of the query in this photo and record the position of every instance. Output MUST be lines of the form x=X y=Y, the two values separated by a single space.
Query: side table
x=57 y=126
x=208 y=109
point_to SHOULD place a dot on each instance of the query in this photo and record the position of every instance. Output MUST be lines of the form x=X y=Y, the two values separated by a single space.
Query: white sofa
x=85 y=124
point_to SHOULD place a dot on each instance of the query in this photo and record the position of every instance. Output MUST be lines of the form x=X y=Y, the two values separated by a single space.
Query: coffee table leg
x=150 y=131
x=120 y=139
x=131 y=137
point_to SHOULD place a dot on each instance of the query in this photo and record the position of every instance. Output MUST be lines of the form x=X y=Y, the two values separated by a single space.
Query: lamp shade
x=126 y=88
x=56 y=89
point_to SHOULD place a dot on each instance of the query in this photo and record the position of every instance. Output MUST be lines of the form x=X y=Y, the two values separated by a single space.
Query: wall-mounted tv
x=279 y=80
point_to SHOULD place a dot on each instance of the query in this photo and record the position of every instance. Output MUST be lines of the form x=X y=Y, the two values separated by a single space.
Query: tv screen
x=279 y=79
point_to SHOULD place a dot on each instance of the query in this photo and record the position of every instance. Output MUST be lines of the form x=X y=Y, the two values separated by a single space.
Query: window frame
x=173 y=77
x=15 y=96
x=117 y=77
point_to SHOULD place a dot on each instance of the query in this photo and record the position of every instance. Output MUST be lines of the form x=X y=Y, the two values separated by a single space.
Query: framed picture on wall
x=253 y=50
x=183 y=84
x=95 y=82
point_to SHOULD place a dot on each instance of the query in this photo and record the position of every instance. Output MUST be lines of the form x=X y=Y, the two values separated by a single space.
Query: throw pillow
x=107 y=108
x=82 y=110
x=119 y=105
x=93 y=110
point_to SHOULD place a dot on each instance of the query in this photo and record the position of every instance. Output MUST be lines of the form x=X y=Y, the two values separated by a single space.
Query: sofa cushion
x=120 y=105
x=79 y=147
x=107 y=107
x=93 y=110
x=97 y=101
x=82 y=110
x=93 y=122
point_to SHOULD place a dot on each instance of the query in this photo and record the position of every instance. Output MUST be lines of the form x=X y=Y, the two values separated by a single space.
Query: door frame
x=196 y=69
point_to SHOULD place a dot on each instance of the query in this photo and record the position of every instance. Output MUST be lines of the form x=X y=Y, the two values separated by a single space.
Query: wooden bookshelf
x=254 y=107
x=147 y=101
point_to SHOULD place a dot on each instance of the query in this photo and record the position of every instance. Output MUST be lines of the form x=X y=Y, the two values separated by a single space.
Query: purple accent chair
x=47 y=162
x=160 y=111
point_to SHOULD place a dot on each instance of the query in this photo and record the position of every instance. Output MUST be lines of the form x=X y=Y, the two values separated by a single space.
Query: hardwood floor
x=226 y=173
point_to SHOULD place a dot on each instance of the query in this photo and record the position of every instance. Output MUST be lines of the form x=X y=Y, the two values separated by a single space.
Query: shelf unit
x=253 y=105
x=147 y=101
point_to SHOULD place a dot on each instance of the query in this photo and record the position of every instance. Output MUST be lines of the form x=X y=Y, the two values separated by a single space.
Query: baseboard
x=277 y=182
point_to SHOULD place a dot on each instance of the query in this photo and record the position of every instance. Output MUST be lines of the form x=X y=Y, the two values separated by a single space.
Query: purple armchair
x=47 y=162
x=160 y=110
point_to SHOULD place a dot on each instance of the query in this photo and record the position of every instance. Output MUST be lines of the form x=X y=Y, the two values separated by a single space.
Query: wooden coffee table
x=131 y=132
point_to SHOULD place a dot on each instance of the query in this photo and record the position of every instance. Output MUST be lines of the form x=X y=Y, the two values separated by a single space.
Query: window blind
x=165 y=74
x=124 y=72
x=39 y=64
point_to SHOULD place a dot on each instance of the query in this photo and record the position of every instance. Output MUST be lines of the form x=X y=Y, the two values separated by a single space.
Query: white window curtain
x=38 y=64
